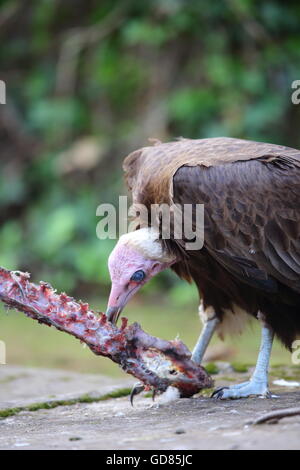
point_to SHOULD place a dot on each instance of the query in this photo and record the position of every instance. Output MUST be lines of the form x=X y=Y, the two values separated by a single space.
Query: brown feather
x=251 y=196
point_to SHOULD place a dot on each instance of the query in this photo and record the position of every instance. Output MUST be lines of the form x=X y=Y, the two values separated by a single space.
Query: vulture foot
x=137 y=388
x=243 y=390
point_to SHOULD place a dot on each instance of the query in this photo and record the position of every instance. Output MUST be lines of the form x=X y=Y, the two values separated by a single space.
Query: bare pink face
x=129 y=271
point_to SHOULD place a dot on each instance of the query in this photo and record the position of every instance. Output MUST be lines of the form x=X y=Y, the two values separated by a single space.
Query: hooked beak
x=113 y=314
x=118 y=298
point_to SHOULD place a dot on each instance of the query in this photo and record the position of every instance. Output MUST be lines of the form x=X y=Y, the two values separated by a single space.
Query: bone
x=155 y=362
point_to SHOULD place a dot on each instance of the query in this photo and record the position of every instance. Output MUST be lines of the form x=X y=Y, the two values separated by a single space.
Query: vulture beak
x=118 y=298
x=112 y=314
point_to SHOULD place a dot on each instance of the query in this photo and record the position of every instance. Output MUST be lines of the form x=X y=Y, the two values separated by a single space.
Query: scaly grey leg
x=258 y=384
x=209 y=327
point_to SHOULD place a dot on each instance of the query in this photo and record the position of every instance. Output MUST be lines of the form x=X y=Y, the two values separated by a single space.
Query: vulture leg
x=258 y=384
x=210 y=322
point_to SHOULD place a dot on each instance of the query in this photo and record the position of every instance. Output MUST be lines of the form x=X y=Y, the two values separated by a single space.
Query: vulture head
x=137 y=257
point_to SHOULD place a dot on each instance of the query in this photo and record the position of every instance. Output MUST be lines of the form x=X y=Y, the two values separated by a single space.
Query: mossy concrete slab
x=196 y=423
x=22 y=386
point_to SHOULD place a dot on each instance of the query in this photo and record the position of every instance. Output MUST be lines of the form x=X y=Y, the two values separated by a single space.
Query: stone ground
x=196 y=423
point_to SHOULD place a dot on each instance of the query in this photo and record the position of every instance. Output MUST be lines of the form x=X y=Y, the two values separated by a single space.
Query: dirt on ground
x=50 y=409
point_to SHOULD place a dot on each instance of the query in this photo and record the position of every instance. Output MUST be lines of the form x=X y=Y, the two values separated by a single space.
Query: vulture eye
x=138 y=276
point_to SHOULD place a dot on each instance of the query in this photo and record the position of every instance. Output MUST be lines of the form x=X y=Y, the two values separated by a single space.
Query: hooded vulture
x=249 y=264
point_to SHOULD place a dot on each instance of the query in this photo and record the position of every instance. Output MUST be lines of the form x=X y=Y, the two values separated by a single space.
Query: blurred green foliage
x=88 y=82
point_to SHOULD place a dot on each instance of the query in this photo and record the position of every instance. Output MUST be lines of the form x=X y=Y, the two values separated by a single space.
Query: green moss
x=120 y=392
x=211 y=368
x=48 y=405
x=206 y=393
x=239 y=367
x=10 y=412
x=227 y=379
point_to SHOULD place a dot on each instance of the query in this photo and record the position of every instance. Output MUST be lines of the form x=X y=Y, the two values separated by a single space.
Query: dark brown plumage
x=251 y=196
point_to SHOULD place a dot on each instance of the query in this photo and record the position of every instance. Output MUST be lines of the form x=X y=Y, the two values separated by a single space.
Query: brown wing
x=149 y=171
x=252 y=216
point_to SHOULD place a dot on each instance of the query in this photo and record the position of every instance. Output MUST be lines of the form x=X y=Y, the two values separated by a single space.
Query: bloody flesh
x=157 y=363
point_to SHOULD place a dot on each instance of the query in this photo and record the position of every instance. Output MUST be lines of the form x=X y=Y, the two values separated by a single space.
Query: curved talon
x=137 y=388
x=243 y=390
x=218 y=393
